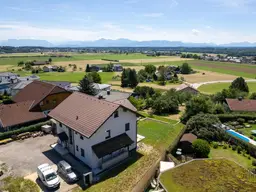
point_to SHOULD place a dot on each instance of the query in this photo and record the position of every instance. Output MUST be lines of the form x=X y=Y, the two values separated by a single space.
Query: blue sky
x=218 y=21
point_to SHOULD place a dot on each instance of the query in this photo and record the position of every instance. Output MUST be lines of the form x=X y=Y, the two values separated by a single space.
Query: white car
x=48 y=176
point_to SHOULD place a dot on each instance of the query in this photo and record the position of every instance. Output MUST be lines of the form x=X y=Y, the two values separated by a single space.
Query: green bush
x=239 y=149
x=241 y=121
x=254 y=162
x=31 y=128
x=215 y=145
x=234 y=116
x=233 y=147
x=225 y=146
x=201 y=148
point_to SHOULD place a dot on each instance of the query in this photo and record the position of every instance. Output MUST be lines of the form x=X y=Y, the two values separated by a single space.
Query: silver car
x=66 y=171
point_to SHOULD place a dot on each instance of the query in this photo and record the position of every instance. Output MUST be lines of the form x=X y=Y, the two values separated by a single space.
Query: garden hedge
x=235 y=116
x=31 y=128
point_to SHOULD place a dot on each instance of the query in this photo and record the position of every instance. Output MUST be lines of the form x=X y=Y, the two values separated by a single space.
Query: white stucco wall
x=115 y=125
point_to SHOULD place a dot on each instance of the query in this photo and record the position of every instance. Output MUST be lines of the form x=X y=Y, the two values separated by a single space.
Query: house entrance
x=87 y=178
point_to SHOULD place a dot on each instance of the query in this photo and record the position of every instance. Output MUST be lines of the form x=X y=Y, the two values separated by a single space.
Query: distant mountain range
x=117 y=43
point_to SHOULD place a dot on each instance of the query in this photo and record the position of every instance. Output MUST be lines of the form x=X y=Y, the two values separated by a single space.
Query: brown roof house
x=31 y=104
x=186 y=142
x=241 y=105
x=187 y=89
x=98 y=132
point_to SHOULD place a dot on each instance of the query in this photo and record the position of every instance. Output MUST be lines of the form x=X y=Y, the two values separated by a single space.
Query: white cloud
x=144 y=27
x=174 y=3
x=195 y=32
x=113 y=31
x=153 y=14
x=208 y=27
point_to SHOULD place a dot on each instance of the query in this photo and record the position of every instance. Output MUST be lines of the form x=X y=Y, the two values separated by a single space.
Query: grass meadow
x=217 y=87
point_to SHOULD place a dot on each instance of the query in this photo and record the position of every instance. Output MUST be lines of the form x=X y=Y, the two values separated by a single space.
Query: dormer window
x=116 y=114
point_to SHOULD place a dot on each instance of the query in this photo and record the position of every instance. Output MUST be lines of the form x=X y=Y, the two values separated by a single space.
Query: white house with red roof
x=98 y=132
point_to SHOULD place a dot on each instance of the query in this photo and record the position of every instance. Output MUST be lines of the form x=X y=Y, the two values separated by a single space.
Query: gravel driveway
x=23 y=157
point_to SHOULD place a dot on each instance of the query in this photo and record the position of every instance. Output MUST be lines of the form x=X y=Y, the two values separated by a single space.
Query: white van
x=48 y=176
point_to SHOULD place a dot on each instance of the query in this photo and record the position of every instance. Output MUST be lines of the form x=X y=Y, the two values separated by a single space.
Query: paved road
x=197 y=85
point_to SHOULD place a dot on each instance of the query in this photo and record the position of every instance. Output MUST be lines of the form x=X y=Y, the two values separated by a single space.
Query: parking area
x=23 y=157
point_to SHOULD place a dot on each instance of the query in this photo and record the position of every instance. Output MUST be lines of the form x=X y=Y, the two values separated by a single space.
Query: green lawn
x=209 y=175
x=161 y=118
x=73 y=77
x=217 y=87
x=247 y=131
x=231 y=155
x=158 y=134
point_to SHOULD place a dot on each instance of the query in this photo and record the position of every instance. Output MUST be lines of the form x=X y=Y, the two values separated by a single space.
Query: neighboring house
x=117 y=67
x=47 y=68
x=45 y=96
x=241 y=105
x=186 y=89
x=19 y=86
x=7 y=77
x=95 y=68
x=64 y=84
x=186 y=142
x=114 y=95
x=18 y=114
x=5 y=87
x=101 y=134
x=29 y=78
x=40 y=63
x=101 y=87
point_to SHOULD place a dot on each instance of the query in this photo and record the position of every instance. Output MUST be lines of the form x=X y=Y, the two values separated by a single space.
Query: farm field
x=217 y=87
x=73 y=77
x=208 y=175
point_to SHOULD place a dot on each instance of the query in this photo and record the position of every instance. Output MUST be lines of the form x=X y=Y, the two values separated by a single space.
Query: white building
x=7 y=77
x=98 y=132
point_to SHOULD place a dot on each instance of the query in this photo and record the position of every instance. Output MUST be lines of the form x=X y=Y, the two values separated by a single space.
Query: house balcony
x=115 y=159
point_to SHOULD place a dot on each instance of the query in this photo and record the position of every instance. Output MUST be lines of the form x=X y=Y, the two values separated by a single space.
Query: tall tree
x=185 y=69
x=86 y=86
x=240 y=84
x=133 y=80
x=88 y=69
x=50 y=60
x=150 y=69
x=124 y=78
x=20 y=63
x=95 y=77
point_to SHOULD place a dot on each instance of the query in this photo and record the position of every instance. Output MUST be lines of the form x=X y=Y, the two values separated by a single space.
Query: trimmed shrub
x=239 y=149
x=233 y=147
x=31 y=128
x=241 y=121
x=234 y=116
x=225 y=146
x=254 y=162
x=201 y=148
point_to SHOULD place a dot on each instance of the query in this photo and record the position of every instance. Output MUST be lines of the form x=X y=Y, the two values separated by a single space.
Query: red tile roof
x=37 y=91
x=83 y=113
x=18 y=113
x=241 y=105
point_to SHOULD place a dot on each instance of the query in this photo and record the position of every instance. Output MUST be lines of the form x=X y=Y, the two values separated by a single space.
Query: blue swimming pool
x=238 y=135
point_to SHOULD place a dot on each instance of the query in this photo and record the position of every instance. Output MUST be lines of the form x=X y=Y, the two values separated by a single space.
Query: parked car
x=48 y=176
x=67 y=172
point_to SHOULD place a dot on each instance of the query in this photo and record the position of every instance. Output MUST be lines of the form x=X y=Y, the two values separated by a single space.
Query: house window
x=60 y=124
x=116 y=114
x=81 y=137
x=127 y=126
x=82 y=152
x=125 y=110
x=70 y=137
x=76 y=147
x=108 y=134
x=47 y=101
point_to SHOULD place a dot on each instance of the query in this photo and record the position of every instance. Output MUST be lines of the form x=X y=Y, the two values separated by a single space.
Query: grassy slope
x=216 y=87
x=73 y=77
x=231 y=155
x=247 y=131
x=210 y=176
x=125 y=177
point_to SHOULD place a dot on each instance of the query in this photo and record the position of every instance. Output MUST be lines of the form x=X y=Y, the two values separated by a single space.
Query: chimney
x=100 y=96
x=76 y=117
x=108 y=92
x=240 y=98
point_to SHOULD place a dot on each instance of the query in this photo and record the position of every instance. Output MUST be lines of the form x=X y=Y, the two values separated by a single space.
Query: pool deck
x=243 y=137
